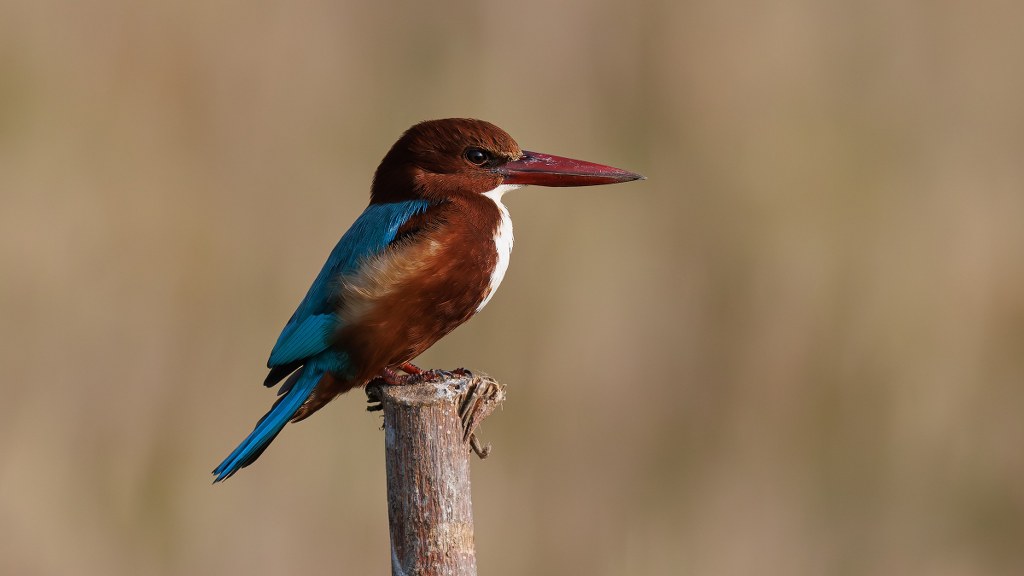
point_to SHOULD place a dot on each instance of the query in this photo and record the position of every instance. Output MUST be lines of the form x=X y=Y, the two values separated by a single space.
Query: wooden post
x=428 y=435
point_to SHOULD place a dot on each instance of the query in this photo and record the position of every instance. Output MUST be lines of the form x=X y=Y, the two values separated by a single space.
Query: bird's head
x=438 y=159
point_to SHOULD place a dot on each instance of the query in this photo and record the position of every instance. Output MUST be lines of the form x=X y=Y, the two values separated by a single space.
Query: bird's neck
x=503 y=240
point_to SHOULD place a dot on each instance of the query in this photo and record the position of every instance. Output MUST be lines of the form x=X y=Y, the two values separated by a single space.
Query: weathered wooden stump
x=428 y=436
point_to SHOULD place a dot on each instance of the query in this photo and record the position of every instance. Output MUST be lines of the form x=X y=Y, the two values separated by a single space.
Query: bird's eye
x=477 y=156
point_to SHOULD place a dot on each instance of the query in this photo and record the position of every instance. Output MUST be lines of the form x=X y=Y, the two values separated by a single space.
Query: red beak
x=545 y=170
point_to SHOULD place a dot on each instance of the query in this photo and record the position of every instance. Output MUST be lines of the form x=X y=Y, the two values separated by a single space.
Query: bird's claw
x=409 y=368
x=408 y=373
x=438 y=374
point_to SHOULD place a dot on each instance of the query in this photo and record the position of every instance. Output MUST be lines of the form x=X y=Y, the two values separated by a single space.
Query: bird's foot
x=405 y=373
x=409 y=368
x=436 y=374
x=392 y=378
x=398 y=376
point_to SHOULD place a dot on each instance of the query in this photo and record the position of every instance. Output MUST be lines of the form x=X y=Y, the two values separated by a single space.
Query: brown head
x=438 y=159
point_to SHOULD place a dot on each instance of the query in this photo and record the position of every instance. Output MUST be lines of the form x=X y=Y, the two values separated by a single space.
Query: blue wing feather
x=303 y=345
x=302 y=340
x=309 y=330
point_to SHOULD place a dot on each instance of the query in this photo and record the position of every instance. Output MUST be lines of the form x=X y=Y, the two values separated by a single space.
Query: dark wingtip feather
x=277 y=373
x=287 y=386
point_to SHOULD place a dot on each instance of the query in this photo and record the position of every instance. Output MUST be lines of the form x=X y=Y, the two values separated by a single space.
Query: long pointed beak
x=546 y=170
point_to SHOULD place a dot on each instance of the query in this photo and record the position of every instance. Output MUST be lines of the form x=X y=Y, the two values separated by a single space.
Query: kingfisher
x=425 y=256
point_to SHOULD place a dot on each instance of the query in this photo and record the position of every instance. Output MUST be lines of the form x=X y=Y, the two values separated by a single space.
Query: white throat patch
x=502 y=240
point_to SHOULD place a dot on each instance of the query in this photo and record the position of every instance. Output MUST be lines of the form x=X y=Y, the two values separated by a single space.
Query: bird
x=426 y=255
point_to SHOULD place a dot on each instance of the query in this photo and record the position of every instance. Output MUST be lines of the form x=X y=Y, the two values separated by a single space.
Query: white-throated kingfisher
x=425 y=256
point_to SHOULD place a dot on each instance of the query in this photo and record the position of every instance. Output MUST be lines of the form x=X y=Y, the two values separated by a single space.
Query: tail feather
x=301 y=385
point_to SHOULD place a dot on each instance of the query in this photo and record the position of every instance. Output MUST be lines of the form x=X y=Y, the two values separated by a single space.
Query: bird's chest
x=403 y=300
x=443 y=277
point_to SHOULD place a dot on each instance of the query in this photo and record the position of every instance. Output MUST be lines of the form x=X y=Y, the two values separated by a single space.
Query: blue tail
x=295 y=391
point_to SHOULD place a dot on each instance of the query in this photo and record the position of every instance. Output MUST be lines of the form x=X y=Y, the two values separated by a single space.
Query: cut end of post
x=476 y=396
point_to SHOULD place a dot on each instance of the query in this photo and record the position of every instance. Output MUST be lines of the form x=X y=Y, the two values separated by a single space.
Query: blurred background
x=796 y=349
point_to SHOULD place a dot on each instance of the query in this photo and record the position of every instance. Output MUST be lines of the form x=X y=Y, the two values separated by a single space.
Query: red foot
x=435 y=374
x=409 y=368
x=413 y=374
x=391 y=377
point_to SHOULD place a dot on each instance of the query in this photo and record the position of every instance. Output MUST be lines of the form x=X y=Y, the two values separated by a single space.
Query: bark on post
x=427 y=448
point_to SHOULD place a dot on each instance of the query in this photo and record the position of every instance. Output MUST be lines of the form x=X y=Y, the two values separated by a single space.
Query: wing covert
x=309 y=330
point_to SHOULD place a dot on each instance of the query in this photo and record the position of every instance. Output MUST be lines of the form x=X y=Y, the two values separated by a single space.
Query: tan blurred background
x=797 y=349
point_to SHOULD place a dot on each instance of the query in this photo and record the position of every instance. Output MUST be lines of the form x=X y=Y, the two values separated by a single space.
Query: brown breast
x=432 y=278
